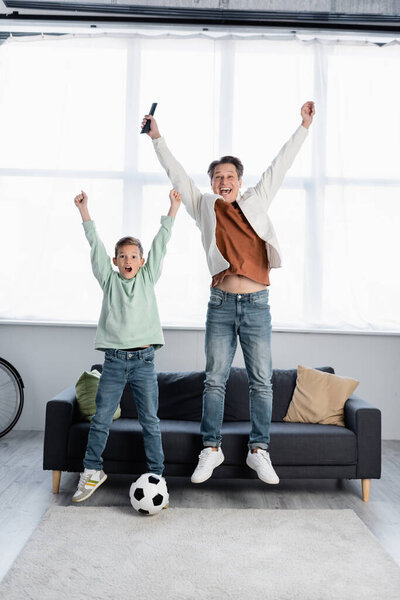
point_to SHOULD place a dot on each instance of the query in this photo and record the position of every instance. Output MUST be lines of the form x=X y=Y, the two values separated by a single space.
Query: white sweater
x=254 y=203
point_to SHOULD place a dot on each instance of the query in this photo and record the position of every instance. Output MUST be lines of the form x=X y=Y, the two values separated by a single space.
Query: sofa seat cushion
x=291 y=443
x=182 y=441
x=312 y=444
x=125 y=441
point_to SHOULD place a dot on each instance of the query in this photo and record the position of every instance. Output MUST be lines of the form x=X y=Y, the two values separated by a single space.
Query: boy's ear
x=114 y=261
x=142 y=262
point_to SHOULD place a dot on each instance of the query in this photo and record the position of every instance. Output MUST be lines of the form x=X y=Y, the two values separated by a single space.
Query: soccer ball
x=149 y=494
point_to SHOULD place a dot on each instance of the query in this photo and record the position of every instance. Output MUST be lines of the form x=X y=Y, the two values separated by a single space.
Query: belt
x=134 y=349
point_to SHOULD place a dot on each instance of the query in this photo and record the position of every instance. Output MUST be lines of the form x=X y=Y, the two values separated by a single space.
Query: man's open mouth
x=225 y=190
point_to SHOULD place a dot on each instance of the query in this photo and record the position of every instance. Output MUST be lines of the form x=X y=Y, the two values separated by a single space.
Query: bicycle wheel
x=11 y=396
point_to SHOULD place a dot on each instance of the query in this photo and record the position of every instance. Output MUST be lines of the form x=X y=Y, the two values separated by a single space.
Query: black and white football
x=149 y=494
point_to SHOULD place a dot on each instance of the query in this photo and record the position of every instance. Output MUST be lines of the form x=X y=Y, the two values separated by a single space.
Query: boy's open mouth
x=128 y=269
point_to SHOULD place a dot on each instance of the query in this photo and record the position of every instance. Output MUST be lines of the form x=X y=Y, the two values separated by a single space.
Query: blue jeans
x=229 y=316
x=137 y=369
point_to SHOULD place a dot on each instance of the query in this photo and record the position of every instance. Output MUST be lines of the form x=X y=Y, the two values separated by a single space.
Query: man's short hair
x=128 y=241
x=236 y=162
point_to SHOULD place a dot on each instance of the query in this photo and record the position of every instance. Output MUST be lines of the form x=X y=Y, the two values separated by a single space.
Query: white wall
x=51 y=358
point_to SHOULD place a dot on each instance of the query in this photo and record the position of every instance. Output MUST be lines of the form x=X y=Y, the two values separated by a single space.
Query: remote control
x=146 y=126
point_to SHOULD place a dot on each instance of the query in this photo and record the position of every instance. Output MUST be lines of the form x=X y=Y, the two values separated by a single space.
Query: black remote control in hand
x=146 y=126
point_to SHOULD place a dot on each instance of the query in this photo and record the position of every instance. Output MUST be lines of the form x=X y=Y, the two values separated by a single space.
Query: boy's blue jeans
x=229 y=316
x=137 y=369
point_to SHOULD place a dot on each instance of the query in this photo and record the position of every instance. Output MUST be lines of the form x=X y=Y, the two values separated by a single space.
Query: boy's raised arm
x=101 y=264
x=159 y=246
x=175 y=198
x=81 y=201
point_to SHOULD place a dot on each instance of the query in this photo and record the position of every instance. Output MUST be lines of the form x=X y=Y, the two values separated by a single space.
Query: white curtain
x=70 y=112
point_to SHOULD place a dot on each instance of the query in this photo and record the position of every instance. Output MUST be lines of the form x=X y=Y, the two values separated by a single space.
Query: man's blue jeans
x=137 y=369
x=229 y=316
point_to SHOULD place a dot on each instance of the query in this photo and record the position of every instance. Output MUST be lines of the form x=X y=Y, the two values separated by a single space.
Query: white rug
x=112 y=553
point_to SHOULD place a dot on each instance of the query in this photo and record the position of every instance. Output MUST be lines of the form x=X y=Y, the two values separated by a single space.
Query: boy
x=129 y=331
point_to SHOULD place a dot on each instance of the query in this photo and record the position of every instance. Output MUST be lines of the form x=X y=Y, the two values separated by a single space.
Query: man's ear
x=240 y=183
x=115 y=261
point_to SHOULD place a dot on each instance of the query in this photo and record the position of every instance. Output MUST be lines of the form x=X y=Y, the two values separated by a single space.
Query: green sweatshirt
x=129 y=314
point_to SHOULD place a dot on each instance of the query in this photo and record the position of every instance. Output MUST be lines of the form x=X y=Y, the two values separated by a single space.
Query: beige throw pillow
x=319 y=397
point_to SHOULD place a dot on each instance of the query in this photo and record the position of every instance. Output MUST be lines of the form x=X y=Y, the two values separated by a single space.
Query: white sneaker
x=89 y=481
x=208 y=460
x=261 y=463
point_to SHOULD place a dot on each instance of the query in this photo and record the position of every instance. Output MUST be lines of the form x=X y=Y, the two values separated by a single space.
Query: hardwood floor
x=26 y=494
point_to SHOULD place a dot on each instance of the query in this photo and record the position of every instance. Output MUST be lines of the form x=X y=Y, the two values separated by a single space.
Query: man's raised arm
x=191 y=195
x=307 y=114
x=272 y=178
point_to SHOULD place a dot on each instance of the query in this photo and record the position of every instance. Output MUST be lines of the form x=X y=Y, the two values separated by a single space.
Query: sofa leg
x=366 y=486
x=56 y=481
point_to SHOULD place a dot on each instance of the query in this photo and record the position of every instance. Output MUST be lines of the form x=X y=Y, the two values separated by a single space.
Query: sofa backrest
x=180 y=394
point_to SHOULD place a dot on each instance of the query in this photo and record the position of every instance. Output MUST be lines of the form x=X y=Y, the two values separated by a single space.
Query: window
x=71 y=113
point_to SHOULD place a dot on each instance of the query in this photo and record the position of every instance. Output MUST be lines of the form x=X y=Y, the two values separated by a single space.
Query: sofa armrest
x=365 y=421
x=59 y=418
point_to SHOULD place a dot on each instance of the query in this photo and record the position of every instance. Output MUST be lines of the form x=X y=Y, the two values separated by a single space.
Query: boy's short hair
x=129 y=241
x=236 y=162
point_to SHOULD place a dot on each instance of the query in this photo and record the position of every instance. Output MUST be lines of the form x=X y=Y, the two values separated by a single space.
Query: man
x=241 y=248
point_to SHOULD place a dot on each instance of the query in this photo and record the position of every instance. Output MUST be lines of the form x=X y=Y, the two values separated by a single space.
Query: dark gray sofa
x=298 y=450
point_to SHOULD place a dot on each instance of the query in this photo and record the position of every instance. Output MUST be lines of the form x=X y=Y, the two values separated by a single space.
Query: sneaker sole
x=260 y=478
x=269 y=482
x=91 y=492
x=197 y=480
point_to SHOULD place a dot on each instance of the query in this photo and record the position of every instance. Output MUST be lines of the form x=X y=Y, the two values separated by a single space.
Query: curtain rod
x=117 y=13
